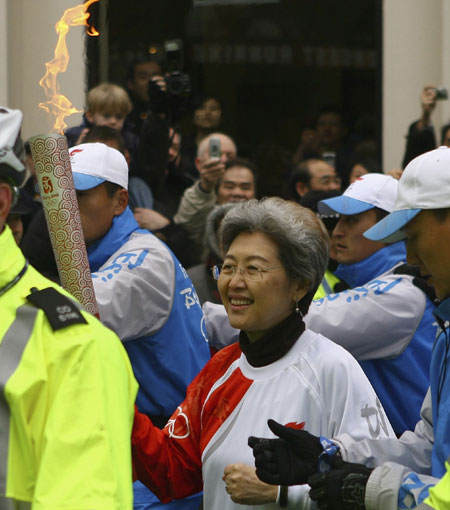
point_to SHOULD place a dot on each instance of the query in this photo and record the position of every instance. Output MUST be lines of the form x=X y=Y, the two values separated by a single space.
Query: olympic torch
x=54 y=173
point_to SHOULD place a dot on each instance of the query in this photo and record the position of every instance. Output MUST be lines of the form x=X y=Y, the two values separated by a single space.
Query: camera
x=172 y=102
x=214 y=148
x=178 y=83
x=441 y=93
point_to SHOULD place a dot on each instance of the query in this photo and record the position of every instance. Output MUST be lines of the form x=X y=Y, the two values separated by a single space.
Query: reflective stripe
x=326 y=286
x=11 y=504
x=11 y=350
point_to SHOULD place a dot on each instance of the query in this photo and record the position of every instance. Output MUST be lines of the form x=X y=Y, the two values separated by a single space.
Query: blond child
x=107 y=105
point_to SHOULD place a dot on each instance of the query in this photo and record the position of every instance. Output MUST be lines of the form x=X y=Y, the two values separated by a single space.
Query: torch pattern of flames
x=57 y=104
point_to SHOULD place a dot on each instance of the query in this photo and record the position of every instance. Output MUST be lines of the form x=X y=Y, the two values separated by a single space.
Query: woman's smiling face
x=256 y=306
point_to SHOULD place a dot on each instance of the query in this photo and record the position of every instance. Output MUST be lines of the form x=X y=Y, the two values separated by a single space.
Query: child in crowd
x=107 y=105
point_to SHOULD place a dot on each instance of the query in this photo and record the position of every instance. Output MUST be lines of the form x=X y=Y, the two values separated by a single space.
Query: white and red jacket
x=317 y=386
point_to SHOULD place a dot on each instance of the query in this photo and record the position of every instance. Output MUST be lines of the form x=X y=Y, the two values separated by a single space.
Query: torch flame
x=57 y=104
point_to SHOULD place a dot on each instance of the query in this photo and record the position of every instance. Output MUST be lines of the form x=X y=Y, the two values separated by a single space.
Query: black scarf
x=274 y=344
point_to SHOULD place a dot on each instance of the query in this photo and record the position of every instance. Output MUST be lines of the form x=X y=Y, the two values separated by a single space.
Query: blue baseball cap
x=425 y=184
x=367 y=192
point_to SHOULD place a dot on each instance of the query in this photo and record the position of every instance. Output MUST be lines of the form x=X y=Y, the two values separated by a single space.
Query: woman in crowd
x=275 y=256
x=206 y=119
x=363 y=165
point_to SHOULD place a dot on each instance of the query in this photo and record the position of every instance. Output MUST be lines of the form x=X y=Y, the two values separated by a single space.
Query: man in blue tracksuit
x=384 y=320
x=143 y=293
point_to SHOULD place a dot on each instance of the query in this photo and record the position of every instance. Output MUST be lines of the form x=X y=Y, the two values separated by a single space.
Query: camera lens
x=178 y=84
x=175 y=86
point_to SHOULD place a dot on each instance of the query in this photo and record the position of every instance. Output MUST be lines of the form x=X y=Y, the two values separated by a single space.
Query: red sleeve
x=169 y=461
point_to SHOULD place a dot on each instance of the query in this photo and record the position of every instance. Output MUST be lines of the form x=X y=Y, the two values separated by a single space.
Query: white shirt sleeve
x=218 y=328
x=413 y=449
x=394 y=487
x=375 y=321
x=135 y=288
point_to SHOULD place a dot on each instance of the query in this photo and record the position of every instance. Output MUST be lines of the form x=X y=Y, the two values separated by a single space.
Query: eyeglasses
x=248 y=273
x=326 y=180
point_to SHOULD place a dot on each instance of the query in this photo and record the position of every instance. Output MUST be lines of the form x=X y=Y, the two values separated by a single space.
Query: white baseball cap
x=95 y=163
x=425 y=184
x=367 y=192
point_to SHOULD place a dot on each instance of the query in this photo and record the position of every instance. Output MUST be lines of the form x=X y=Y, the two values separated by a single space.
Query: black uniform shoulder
x=418 y=281
x=60 y=311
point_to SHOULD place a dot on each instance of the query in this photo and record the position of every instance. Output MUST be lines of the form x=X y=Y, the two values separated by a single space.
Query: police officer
x=66 y=385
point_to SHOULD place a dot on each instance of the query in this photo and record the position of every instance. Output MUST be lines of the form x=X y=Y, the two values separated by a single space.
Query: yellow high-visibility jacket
x=327 y=285
x=439 y=495
x=66 y=401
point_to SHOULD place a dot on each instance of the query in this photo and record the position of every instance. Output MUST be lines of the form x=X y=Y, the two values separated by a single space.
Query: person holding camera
x=223 y=179
x=421 y=137
x=139 y=75
x=326 y=140
x=148 y=120
x=160 y=98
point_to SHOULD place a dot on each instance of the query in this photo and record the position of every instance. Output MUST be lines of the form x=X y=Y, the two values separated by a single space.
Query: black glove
x=340 y=489
x=290 y=460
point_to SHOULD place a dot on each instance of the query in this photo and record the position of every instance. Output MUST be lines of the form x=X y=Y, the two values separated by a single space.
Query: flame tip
x=57 y=104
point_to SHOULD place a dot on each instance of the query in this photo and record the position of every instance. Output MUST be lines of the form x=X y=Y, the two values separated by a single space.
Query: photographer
x=421 y=137
x=159 y=102
x=199 y=199
x=328 y=140
x=140 y=72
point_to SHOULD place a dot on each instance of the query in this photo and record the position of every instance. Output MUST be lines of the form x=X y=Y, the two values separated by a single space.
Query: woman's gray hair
x=301 y=238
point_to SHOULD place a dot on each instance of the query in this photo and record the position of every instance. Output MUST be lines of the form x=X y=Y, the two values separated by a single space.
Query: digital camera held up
x=441 y=93
x=178 y=83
